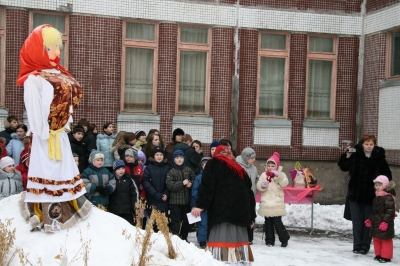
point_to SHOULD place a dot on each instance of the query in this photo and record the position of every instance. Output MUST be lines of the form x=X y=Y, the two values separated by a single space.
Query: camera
x=351 y=150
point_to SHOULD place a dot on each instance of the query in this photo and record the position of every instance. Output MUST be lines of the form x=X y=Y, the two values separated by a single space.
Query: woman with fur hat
x=10 y=179
x=51 y=95
x=381 y=220
x=364 y=165
x=272 y=205
x=225 y=193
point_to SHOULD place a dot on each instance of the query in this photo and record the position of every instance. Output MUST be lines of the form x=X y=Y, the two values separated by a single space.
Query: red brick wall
x=95 y=47
x=17 y=23
x=222 y=71
x=166 y=91
x=247 y=87
x=349 y=6
x=378 y=4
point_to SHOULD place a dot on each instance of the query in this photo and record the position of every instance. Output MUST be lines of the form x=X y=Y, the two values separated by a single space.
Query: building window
x=59 y=21
x=2 y=53
x=393 y=69
x=193 y=78
x=273 y=54
x=139 y=66
x=321 y=77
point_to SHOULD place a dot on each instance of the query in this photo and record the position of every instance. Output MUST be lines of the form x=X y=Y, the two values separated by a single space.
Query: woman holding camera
x=364 y=163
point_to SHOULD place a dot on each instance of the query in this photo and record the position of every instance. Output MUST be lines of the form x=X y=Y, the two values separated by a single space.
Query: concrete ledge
x=196 y=120
x=138 y=118
x=321 y=124
x=272 y=123
x=389 y=83
x=3 y=112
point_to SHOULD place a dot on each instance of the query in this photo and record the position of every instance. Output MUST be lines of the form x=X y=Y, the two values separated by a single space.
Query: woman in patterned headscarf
x=225 y=193
x=51 y=95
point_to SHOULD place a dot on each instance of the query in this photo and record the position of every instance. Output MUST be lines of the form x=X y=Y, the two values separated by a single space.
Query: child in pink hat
x=272 y=205
x=381 y=220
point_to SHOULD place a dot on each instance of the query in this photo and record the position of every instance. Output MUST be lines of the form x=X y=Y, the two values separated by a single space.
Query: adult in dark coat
x=364 y=166
x=225 y=193
x=177 y=136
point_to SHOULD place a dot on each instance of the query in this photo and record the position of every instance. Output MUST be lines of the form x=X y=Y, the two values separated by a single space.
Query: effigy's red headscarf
x=224 y=153
x=33 y=56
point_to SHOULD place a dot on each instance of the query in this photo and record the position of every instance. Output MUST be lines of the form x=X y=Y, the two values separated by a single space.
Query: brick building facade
x=97 y=43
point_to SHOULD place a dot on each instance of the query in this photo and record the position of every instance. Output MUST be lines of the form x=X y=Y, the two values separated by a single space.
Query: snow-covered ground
x=331 y=243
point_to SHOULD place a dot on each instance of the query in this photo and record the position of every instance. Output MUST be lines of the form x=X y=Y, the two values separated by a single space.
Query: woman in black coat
x=225 y=193
x=364 y=165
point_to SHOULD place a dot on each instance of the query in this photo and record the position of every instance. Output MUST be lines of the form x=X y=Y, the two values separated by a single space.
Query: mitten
x=105 y=191
x=274 y=172
x=264 y=184
x=383 y=226
x=100 y=189
x=367 y=223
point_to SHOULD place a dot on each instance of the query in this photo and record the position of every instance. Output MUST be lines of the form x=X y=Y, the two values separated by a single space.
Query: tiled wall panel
x=133 y=127
x=374 y=72
x=384 y=19
x=247 y=87
x=320 y=137
x=17 y=22
x=166 y=80
x=389 y=119
x=222 y=71
x=95 y=47
x=200 y=132
x=272 y=136
x=373 y=5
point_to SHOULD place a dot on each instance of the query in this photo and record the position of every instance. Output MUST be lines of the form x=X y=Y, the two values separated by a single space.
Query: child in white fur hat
x=272 y=205
x=10 y=179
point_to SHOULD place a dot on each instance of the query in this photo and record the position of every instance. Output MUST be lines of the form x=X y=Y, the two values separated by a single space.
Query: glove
x=264 y=184
x=102 y=190
x=383 y=226
x=274 y=172
x=367 y=223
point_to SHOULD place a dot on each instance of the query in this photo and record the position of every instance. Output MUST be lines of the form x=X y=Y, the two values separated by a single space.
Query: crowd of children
x=121 y=170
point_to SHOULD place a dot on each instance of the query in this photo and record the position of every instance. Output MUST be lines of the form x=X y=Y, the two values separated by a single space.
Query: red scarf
x=33 y=56
x=224 y=153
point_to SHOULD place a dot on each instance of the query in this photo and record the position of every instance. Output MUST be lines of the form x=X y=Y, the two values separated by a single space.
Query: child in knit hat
x=381 y=220
x=125 y=195
x=99 y=182
x=272 y=205
x=179 y=182
x=10 y=179
x=132 y=167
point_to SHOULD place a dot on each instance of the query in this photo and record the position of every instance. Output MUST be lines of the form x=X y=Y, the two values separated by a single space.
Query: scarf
x=139 y=144
x=223 y=153
x=33 y=56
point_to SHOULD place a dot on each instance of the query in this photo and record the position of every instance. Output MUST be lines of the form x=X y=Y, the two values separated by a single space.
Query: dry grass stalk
x=146 y=244
x=162 y=224
x=101 y=207
x=140 y=207
x=7 y=238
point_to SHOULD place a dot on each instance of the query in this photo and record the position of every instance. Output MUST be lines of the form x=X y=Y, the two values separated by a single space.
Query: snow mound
x=108 y=245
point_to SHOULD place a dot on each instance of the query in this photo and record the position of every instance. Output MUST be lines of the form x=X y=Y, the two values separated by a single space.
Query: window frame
x=389 y=54
x=65 y=35
x=196 y=47
x=3 y=56
x=145 y=44
x=323 y=56
x=264 y=52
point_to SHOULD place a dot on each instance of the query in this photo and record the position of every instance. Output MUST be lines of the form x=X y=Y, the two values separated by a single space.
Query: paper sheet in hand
x=192 y=219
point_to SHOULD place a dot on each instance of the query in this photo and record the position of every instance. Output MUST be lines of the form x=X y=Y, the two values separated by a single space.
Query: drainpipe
x=360 y=73
x=235 y=84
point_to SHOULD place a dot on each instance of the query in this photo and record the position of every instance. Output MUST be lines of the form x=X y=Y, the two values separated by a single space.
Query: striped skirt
x=229 y=243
